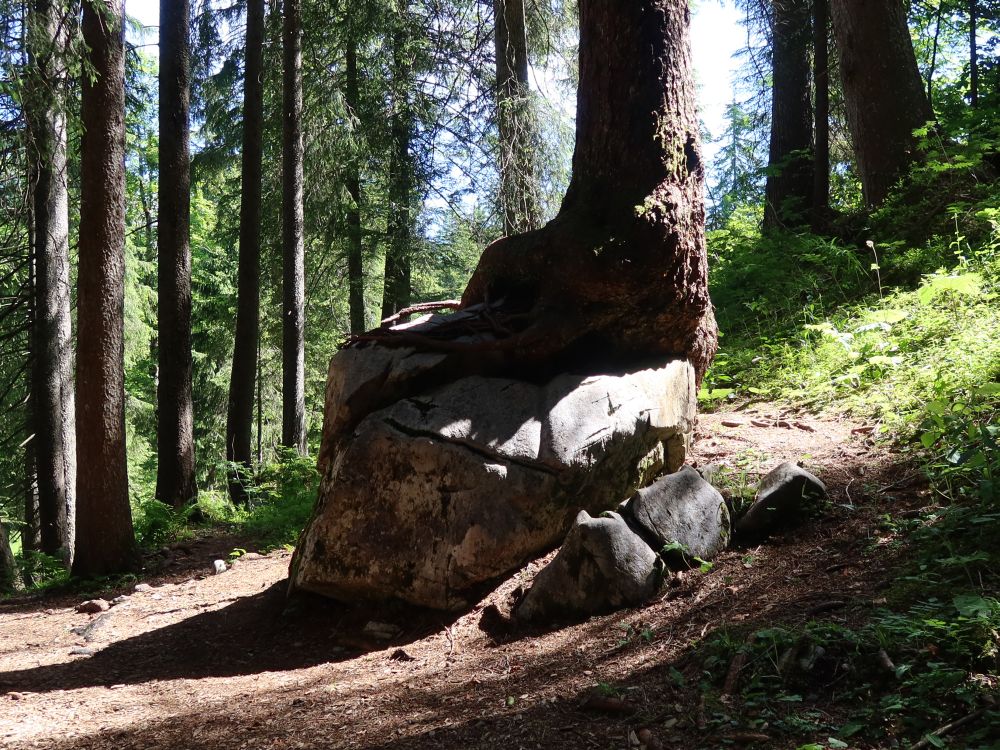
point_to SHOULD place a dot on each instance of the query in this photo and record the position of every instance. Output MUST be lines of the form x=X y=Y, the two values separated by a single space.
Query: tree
x=52 y=395
x=397 y=288
x=239 y=421
x=883 y=91
x=175 y=476
x=973 y=53
x=620 y=274
x=821 y=81
x=355 y=249
x=519 y=202
x=789 y=189
x=105 y=542
x=293 y=398
x=8 y=568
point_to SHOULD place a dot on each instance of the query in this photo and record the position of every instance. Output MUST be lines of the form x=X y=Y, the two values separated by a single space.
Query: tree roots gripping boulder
x=453 y=436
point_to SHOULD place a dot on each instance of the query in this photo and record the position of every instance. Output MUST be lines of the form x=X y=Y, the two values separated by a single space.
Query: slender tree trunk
x=355 y=255
x=934 y=55
x=105 y=541
x=821 y=81
x=519 y=201
x=396 y=290
x=883 y=90
x=973 y=54
x=175 y=475
x=239 y=421
x=293 y=394
x=8 y=568
x=789 y=189
x=52 y=371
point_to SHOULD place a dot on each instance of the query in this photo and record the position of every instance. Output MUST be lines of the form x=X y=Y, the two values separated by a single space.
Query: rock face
x=426 y=498
x=783 y=500
x=602 y=565
x=682 y=508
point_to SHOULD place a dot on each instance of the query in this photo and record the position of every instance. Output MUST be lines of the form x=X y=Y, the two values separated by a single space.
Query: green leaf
x=933 y=739
x=971 y=605
x=835 y=743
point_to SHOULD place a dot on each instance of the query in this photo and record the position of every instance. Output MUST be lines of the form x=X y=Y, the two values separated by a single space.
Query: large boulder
x=603 y=565
x=681 y=509
x=426 y=498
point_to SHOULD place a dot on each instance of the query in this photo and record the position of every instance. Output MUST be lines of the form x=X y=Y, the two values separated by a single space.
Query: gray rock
x=682 y=508
x=602 y=565
x=142 y=587
x=93 y=606
x=82 y=651
x=434 y=496
x=785 y=497
x=219 y=566
x=382 y=631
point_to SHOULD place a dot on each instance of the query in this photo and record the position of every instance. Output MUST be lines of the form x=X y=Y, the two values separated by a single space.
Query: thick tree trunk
x=293 y=320
x=105 y=542
x=621 y=272
x=519 y=201
x=821 y=81
x=355 y=250
x=175 y=475
x=883 y=90
x=52 y=363
x=239 y=420
x=396 y=288
x=8 y=568
x=789 y=189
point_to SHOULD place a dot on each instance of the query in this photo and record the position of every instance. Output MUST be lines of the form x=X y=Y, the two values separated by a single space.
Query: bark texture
x=355 y=250
x=8 y=569
x=52 y=392
x=293 y=320
x=621 y=272
x=973 y=53
x=788 y=192
x=883 y=90
x=519 y=200
x=239 y=420
x=175 y=475
x=821 y=81
x=397 y=288
x=105 y=542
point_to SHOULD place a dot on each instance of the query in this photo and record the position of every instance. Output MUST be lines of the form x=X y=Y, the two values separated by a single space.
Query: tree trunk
x=239 y=421
x=105 y=542
x=519 y=201
x=396 y=289
x=293 y=343
x=175 y=475
x=355 y=254
x=52 y=364
x=973 y=54
x=821 y=81
x=789 y=190
x=8 y=568
x=883 y=90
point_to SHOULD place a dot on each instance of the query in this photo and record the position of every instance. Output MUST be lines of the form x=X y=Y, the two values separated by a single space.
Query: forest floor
x=195 y=660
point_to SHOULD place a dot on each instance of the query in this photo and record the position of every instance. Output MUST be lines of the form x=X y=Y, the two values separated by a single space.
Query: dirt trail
x=222 y=661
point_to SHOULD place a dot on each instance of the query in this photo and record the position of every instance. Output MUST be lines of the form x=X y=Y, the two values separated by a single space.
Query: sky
x=716 y=35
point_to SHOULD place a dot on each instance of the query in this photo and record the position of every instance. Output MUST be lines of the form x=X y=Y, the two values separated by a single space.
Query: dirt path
x=221 y=661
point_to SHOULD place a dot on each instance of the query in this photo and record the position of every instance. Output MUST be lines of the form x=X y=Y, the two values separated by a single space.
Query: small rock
x=382 y=631
x=142 y=587
x=400 y=655
x=15 y=696
x=784 y=499
x=93 y=606
x=219 y=566
x=120 y=599
x=82 y=651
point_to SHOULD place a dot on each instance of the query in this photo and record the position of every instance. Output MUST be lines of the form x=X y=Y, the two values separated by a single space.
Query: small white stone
x=219 y=566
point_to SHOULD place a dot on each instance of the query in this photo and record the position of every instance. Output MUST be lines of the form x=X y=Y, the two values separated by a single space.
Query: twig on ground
x=947 y=728
x=737 y=664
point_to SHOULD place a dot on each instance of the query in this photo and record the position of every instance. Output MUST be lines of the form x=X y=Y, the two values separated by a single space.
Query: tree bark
x=105 y=541
x=789 y=189
x=519 y=201
x=821 y=81
x=397 y=286
x=293 y=395
x=355 y=250
x=883 y=90
x=620 y=275
x=239 y=421
x=52 y=393
x=175 y=475
x=8 y=568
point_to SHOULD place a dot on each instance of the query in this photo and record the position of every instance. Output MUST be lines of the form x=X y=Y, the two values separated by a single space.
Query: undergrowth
x=904 y=335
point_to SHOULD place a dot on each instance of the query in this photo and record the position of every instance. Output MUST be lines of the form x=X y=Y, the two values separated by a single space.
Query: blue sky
x=716 y=36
